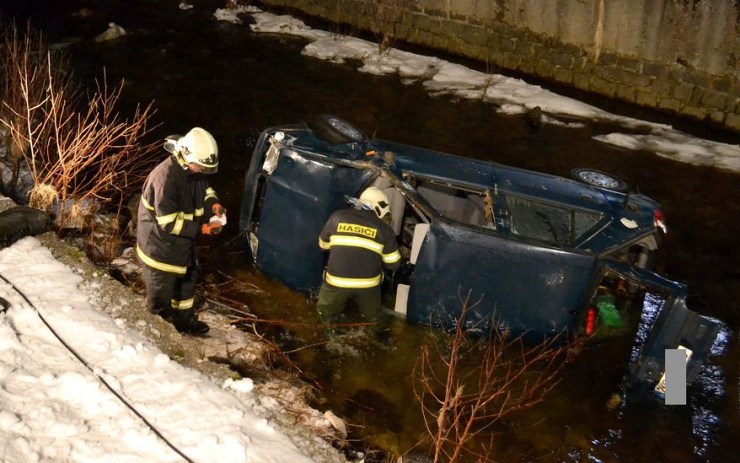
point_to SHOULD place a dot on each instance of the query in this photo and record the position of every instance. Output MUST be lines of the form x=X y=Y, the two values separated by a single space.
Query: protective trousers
x=332 y=302
x=169 y=294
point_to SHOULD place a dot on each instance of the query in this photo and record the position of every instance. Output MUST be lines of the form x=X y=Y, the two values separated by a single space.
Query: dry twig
x=387 y=15
x=464 y=392
x=81 y=157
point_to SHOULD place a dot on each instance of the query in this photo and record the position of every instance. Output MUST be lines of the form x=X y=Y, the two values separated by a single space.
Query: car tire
x=599 y=179
x=335 y=130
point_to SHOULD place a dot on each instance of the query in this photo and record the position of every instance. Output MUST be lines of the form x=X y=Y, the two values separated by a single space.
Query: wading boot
x=164 y=313
x=186 y=322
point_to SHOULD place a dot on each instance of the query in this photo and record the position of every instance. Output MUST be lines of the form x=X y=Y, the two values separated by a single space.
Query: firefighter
x=360 y=242
x=177 y=203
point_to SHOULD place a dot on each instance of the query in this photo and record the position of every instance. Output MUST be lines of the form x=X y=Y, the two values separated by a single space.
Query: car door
x=666 y=323
x=299 y=196
x=524 y=286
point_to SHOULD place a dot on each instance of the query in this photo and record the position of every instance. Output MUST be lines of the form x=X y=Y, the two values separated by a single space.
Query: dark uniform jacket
x=173 y=206
x=360 y=245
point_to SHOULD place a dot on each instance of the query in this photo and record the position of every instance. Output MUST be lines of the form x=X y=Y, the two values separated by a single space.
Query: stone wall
x=678 y=56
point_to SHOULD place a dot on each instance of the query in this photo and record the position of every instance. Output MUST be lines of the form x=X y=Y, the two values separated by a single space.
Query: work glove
x=217 y=221
x=218 y=210
x=211 y=228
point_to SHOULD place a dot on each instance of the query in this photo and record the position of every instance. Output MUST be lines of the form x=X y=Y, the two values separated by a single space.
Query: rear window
x=546 y=223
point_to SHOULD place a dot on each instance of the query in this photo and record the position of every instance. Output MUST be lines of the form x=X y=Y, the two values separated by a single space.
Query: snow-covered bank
x=509 y=95
x=56 y=406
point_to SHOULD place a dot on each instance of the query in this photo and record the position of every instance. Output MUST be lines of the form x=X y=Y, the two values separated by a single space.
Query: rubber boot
x=186 y=322
x=164 y=313
x=330 y=331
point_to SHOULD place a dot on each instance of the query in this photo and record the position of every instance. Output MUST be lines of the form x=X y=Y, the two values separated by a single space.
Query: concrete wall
x=680 y=56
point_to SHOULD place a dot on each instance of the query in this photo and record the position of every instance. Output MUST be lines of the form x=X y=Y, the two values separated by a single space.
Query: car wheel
x=600 y=179
x=336 y=130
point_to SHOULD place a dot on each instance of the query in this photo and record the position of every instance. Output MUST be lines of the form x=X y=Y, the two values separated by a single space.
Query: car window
x=547 y=223
x=464 y=205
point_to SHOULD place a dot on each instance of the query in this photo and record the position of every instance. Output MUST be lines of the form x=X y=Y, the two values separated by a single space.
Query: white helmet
x=377 y=200
x=199 y=147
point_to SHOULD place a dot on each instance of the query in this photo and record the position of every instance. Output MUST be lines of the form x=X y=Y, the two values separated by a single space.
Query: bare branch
x=86 y=153
x=466 y=386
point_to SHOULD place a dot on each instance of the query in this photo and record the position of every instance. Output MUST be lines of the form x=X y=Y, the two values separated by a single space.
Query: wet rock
x=113 y=32
x=533 y=117
x=83 y=13
x=126 y=268
x=337 y=423
x=19 y=222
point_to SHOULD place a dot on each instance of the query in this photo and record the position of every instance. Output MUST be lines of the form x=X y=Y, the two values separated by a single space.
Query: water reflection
x=710 y=391
x=651 y=308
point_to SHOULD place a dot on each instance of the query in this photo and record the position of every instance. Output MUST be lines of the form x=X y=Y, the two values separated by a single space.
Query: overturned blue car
x=540 y=254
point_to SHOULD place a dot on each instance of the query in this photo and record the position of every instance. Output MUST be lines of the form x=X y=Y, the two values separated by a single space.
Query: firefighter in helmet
x=360 y=243
x=177 y=204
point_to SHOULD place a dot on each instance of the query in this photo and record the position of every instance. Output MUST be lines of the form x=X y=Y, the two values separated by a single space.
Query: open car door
x=525 y=287
x=297 y=193
x=666 y=323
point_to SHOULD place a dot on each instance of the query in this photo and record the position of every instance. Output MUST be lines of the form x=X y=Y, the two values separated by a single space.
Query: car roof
x=487 y=174
x=407 y=159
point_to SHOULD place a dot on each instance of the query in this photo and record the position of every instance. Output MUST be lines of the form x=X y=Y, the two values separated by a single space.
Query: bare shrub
x=23 y=85
x=82 y=155
x=338 y=26
x=467 y=385
x=387 y=15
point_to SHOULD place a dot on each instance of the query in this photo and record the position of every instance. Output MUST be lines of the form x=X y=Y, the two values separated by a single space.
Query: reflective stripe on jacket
x=359 y=245
x=174 y=203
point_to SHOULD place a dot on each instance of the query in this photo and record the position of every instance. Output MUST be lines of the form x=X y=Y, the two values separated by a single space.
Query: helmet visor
x=208 y=164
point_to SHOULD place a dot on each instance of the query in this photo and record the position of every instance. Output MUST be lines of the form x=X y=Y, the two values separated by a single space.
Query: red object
x=659 y=220
x=590 y=319
x=211 y=228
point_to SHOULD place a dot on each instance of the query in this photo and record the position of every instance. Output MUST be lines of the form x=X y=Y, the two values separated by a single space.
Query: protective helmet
x=199 y=147
x=377 y=200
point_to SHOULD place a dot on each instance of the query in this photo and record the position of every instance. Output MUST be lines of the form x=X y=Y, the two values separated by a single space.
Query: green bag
x=608 y=313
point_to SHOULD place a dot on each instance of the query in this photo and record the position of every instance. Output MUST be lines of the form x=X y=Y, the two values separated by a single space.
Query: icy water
x=235 y=83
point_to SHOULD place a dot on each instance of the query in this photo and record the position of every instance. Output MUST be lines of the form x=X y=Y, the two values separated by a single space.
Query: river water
x=200 y=72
